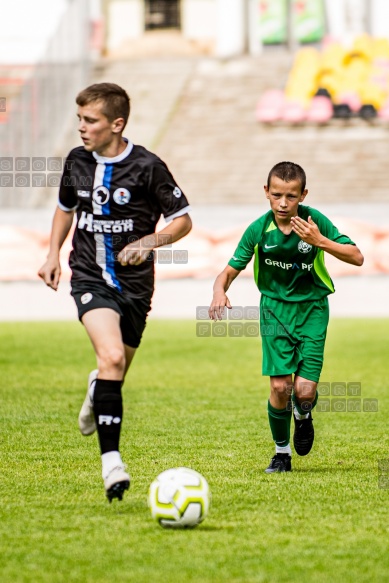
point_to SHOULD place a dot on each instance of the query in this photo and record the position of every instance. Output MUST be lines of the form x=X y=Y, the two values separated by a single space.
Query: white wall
x=380 y=18
x=223 y=21
x=347 y=18
x=198 y=19
x=231 y=28
x=253 y=28
x=26 y=26
x=125 y=21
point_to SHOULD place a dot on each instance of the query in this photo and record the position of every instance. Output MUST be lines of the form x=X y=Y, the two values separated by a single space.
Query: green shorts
x=293 y=337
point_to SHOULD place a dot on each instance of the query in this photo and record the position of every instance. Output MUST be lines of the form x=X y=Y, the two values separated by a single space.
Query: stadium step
x=199 y=115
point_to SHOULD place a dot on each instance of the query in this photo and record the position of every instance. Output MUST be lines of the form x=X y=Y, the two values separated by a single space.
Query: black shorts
x=133 y=311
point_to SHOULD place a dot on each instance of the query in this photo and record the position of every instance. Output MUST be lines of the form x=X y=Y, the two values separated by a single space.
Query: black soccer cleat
x=304 y=434
x=117 y=491
x=281 y=462
x=116 y=483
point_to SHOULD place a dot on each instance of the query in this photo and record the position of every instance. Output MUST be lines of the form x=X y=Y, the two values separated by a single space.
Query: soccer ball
x=179 y=498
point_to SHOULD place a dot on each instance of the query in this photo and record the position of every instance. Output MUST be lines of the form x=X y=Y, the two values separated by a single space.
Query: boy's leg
x=280 y=413
x=103 y=328
x=304 y=400
x=86 y=419
x=304 y=395
x=312 y=327
x=280 y=358
x=129 y=354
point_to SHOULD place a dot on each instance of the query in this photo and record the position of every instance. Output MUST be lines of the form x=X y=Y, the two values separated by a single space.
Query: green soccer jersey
x=285 y=267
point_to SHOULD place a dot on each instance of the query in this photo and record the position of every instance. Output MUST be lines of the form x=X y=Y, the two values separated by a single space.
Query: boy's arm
x=309 y=232
x=50 y=271
x=221 y=285
x=137 y=252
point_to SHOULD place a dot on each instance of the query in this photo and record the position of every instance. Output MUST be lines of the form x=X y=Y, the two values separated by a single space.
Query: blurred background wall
x=52 y=49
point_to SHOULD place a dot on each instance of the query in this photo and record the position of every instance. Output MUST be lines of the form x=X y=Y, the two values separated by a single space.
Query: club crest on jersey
x=304 y=247
x=121 y=196
x=177 y=192
x=101 y=195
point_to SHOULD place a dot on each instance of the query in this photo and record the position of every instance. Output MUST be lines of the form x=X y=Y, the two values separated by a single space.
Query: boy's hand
x=219 y=302
x=50 y=272
x=308 y=231
x=134 y=254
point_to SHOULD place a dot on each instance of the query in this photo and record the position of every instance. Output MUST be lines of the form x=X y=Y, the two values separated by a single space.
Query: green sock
x=307 y=409
x=279 y=421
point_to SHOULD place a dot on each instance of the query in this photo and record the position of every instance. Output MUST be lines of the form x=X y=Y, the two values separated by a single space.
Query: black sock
x=108 y=411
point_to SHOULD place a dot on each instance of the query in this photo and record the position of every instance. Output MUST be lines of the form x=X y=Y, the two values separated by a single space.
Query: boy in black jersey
x=288 y=243
x=118 y=191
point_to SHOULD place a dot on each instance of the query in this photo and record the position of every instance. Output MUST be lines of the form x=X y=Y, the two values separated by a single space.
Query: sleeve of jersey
x=171 y=200
x=244 y=251
x=328 y=229
x=67 y=200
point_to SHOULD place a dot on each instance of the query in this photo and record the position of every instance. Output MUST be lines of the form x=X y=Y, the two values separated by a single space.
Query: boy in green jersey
x=288 y=244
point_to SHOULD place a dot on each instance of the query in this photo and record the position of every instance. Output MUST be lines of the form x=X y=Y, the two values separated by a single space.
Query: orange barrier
x=202 y=254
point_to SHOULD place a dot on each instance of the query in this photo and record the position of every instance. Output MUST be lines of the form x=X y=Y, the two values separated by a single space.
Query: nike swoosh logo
x=270 y=246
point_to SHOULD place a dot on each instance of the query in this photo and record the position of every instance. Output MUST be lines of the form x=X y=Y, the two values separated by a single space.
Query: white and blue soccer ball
x=179 y=498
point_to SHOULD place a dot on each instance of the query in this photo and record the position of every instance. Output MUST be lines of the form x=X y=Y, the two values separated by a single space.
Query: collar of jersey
x=126 y=152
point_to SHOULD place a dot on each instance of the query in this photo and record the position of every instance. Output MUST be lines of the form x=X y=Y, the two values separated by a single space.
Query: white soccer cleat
x=116 y=482
x=86 y=418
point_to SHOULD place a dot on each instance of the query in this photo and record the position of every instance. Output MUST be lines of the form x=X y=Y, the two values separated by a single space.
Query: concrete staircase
x=198 y=114
x=220 y=154
x=153 y=84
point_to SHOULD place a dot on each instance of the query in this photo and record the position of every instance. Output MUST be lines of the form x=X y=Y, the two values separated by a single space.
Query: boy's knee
x=305 y=392
x=281 y=387
x=112 y=358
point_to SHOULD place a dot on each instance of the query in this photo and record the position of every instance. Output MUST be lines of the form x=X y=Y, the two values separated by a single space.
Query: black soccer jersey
x=118 y=200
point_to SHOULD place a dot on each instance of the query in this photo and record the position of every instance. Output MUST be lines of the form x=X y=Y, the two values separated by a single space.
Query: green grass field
x=201 y=403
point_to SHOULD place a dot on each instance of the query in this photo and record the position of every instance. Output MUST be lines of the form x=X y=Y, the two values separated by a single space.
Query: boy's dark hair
x=288 y=171
x=116 y=102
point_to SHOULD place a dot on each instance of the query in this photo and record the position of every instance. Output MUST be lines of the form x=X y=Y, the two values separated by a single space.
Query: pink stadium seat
x=350 y=98
x=268 y=112
x=270 y=106
x=293 y=112
x=383 y=113
x=272 y=96
x=320 y=110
